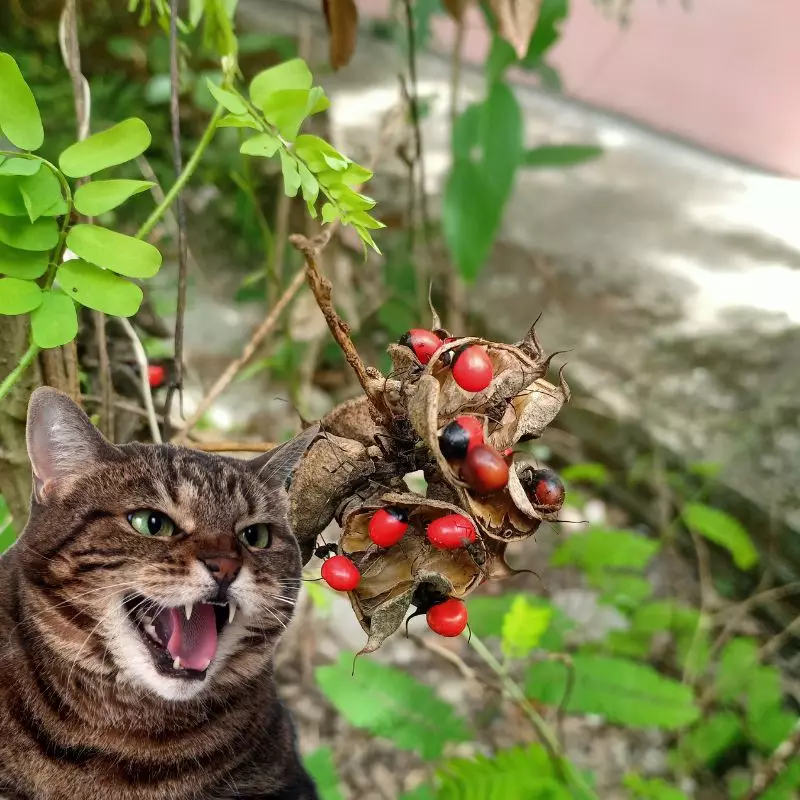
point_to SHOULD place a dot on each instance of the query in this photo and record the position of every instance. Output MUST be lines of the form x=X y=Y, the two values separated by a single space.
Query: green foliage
x=651 y=789
x=601 y=548
x=520 y=773
x=55 y=321
x=98 y=197
x=117 y=145
x=623 y=691
x=420 y=793
x=523 y=627
x=20 y=121
x=99 y=289
x=114 y=251
x=389 y=703
x=322 y=769
x=559 y=156
x=703 y=745
x=7 y=533
x=722 y=529
x=592 y=473
x=18 y=296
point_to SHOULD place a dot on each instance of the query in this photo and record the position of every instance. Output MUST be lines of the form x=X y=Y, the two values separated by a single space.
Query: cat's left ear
x=62 y=442
x=276 y=465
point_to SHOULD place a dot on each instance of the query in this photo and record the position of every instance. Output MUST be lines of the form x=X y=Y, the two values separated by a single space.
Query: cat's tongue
x=193 y=641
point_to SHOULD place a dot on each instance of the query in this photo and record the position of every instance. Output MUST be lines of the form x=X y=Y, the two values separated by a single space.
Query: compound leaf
x=115 y=251
x=26 y=235
x=55 y=321
x=99 y=289
x=123 y=142
x=98 y=197
x=26 y=264
x=20 y=120
x=18 y=296
x=722 y=529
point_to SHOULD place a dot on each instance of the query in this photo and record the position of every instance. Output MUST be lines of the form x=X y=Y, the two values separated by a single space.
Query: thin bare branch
x=249 y=350
x=234 y=447
x=147 y=395
x=784 y=754
x=176 y=384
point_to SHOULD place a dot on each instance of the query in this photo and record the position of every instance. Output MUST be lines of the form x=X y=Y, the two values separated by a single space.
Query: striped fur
x=83 y=712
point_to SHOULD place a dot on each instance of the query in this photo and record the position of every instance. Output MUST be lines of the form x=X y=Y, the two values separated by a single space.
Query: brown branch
x=776 y=764
x=176 y=384
x=147 y=394
x=321 y=288
x=249 y=350
x=233 y=447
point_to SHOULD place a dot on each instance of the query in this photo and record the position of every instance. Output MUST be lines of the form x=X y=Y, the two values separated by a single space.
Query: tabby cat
x=139 y=614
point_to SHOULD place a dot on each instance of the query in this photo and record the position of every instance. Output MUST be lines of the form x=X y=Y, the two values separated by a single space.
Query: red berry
x=448 y=618
x=423 y=343
x=548 y=489
x=387 y=526
x=451 y=531
x=156 y=374
x=340 y=573
x=460 y=436
x=485 y=470
x=472 y=368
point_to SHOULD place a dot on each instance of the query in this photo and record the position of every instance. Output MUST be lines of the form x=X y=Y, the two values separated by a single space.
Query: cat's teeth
x=176 y=664
x=231 y=611
x=189 y=607
x=150 y=631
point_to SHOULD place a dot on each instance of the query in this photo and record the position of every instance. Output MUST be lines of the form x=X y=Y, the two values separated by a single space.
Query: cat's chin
x=148 y=646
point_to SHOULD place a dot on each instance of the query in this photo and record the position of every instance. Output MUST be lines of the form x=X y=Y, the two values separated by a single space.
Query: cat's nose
x=223 y=570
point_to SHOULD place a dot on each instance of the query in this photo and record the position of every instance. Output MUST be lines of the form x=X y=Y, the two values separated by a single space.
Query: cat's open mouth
x=183 y=641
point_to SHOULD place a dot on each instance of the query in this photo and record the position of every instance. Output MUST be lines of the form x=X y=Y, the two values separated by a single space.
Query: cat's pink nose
x=223 y=570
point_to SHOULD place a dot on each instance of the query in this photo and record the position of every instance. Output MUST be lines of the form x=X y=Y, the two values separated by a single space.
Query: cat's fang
x=176 y=664
x=188 y=608
x=231 y=611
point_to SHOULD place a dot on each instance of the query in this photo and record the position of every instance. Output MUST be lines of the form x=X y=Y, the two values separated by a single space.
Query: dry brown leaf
x=531 y=412
x=341 y=17
x=456 y=8
x=516 y=20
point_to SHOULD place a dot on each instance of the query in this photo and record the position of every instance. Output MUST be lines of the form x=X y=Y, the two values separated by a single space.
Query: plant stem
x=183 y=178
x=548 y=739
x=16 y=373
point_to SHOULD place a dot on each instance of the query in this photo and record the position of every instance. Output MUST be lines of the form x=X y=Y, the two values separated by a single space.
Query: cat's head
x=152 y=565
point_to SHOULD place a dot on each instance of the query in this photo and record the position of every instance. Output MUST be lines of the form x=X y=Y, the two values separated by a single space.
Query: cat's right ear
x=62 y=442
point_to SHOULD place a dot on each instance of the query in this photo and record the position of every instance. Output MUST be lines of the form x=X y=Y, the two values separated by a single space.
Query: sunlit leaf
x=722 y=529
x=41 y=195
x=291 y=176
x=601 y=548
x=25 y=235
x=19 y=116
x=264 y=145
x=238 y=121
x=55 y=321
x=98 y=197
x=228 y=100
x=329 y=213
x=286 y=110
x=20 y=166
x=125 y=141
x=320 y=766
x=523 y=627
x=18 y=296
x=99 y=289
x=11 y=203
x=27 y=264
x=317 y=152
x=115 y=251
x=292 y=74
x=308 y=183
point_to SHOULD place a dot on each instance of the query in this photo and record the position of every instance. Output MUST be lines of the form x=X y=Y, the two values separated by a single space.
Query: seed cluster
x=453 y=408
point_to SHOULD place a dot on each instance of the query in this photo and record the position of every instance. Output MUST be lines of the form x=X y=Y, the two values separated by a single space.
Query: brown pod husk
x=353 y=419
x=390 y=577
x=332 y=469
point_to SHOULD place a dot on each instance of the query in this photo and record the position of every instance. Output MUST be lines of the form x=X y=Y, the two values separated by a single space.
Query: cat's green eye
x=151 y=523
x=257 y=536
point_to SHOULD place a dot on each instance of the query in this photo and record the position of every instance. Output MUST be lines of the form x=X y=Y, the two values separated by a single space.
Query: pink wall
x=725 y=74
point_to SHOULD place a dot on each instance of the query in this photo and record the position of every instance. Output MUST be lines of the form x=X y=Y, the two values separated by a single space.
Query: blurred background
x=648 y=155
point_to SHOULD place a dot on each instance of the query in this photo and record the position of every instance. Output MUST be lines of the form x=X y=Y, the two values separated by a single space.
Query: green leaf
x=115 y=251
x=501 y=57
x=523 y=627
x=320 y=766
x=466 y=130
x=291 y=176
x=703 y=745
x=770 y=728
x=722 y=529
x=291 y=75
x=600 y=548
x=7 y=533
x=11 y=203
x=24 y=235
x=363 y=220
x=547 y=32
x=619 y=588
x=18 y=296
x=125 y=141
x=388 y=702
x=264 y=145
x=622 y=691
x=561 y=155
x=26 y=264
x=55 y=321
x=420 y=793
x=99 y=289
x=487 y=616
x=593 y=473
x=366 y=238
x=98 y=197
x=238 y=121
x=651 y=789
x=502 y=140
x=317 y=153
x=308 y=183
x=287 y=110
x=20 y=166
x=520 y=773
x=228 y=100
x=41 y=195
x=330 y=213
x=19 y=117
x=350 y=200
x=470 y=218
x=665 y=615
x=737 y=663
